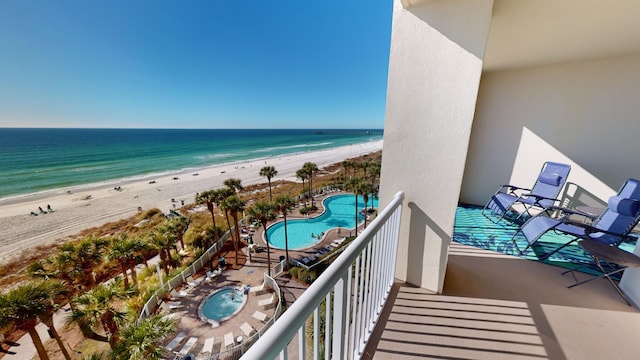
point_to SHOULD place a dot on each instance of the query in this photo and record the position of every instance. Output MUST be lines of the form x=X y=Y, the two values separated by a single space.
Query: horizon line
x=195 y=128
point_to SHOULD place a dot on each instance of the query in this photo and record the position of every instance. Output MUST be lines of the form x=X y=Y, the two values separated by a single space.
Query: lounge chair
x=176 y=341
x=174 y=294
x=258 y=290
x=229 y=341
x=247 y=329
x=260 y=316
x=208 y=346
x=212 y=274
x=611 y=227
x=267 y=303
x=543 y=194
x=187 y=346
x=194 y=282
x=172 y=305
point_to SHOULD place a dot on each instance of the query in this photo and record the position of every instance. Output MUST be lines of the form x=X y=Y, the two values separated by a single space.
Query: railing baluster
x=316 y=334
x=301 y=342
x=340 y=318
x=327 y=331
x=354 y=312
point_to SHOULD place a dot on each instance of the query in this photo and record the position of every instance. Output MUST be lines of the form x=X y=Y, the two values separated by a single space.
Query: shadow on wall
x=418 y=239
x=574 y=195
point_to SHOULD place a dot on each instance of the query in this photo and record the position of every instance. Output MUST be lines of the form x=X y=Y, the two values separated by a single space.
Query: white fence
x=354 y=289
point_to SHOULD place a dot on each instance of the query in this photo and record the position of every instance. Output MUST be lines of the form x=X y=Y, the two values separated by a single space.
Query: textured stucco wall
x=434 y=72
x=585 y=114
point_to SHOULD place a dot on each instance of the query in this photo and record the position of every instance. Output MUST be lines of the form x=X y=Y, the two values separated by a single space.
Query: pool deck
x=247 y=273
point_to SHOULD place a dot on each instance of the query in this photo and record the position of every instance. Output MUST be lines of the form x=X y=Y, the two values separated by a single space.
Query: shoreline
x=42 y=194
x=92 y=205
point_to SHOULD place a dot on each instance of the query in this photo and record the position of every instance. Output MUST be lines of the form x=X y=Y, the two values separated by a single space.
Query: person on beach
x=49 y=209
x=41 y=210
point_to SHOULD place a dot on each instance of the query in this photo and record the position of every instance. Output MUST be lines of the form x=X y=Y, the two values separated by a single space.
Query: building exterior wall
x=435 y=65
x=582 y=113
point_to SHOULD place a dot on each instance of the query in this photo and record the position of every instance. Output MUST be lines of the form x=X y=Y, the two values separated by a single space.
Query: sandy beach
x=83 y=207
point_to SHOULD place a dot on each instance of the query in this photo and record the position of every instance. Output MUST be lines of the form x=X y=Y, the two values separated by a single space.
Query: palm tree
x=179 y=225
x=284 y=203
x=354 y=186
x=302 y=175
x=235 y=205
x=57 y=291
x=264 y=212
x=160 y=242
x=62 y=267
x=84 y=256
x=269 y=172
x=146 y=250
x=96 y=308
x=311 y=169
x=123 y=251
x=345 y=164
x=374 y=171
x=365 y=188
x=24 y=305
x=234 y=184
x=220 y=196
x=141 y=340
x=209 y=199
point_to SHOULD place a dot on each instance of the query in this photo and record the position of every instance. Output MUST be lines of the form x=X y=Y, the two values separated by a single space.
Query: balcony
x=493 y=306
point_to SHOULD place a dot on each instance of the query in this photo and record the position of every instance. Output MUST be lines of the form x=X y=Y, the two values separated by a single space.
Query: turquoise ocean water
x=34 y=160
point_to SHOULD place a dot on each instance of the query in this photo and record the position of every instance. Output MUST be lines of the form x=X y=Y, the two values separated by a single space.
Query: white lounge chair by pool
x=188 y=345
x=194 y=282
x=228 y=340
x=268 y=302
x=257 y=289
x=174 y=305
x=260 y=316
x=247 y=329
x=208 y=346
x=176 y=341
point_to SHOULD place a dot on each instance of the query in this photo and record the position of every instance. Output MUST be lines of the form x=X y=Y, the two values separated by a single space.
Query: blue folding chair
x=611 y=228
x=543 y=194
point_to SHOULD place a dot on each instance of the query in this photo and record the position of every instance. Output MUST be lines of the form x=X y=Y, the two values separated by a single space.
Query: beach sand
x=84 y=207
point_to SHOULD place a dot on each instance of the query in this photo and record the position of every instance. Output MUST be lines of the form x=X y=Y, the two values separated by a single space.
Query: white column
x=437 y=49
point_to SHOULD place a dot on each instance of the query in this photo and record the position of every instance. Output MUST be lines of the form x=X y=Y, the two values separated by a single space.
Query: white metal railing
x=352 y=291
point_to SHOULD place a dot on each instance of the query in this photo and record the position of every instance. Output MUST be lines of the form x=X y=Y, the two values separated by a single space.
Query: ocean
x=35 y=160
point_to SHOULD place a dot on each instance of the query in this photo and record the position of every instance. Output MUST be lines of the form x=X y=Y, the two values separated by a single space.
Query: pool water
x=339 y=212
x=220 y=306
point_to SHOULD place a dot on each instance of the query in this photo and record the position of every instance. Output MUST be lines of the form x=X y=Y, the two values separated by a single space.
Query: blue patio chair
x=612 y=226
x=543 y=194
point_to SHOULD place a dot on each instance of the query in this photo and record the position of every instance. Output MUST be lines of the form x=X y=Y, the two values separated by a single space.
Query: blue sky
x=194 y=64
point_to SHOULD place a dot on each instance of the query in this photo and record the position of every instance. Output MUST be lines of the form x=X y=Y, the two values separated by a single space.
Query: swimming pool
x=220 y=305
x=339 y=212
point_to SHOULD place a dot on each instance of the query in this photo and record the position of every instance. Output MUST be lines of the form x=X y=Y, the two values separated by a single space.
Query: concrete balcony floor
x=496 y=306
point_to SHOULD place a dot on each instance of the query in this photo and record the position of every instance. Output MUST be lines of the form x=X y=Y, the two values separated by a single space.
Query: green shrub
x=303 y=275
x=293 y=272
x=313 y=274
